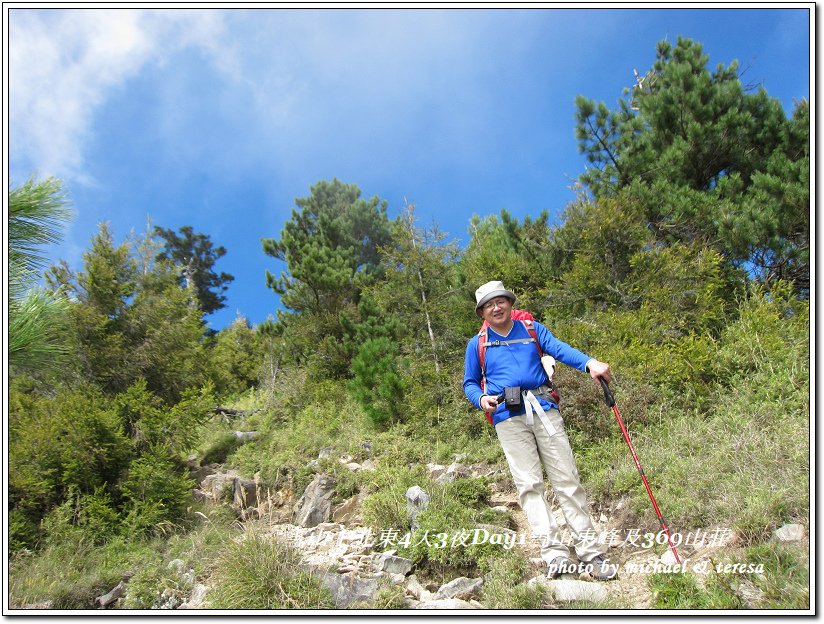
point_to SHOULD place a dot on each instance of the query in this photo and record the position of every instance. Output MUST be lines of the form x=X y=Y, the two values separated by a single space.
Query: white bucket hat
x=488 y=291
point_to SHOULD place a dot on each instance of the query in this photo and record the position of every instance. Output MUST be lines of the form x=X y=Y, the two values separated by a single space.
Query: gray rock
x=448 y=603
x=245 y=436
x=349 y=589
x=315 y=506
x=462 y=586
x=567 y=590
x=393 y=564
x=789 y=533
x=196 y=599
x=217 y=485
x=245 y=493
x=435 y=470
x=416 y=590
x=416 y=501
x=112 y=596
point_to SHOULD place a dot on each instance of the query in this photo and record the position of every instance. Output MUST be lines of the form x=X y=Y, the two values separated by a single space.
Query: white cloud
x=64 y=63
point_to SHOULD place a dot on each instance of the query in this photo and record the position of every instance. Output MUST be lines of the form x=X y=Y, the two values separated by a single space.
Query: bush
x=157 y=494
x=257 y=572
x=377 y=384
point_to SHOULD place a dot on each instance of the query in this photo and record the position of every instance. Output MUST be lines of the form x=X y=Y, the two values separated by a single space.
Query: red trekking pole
x=610 y=401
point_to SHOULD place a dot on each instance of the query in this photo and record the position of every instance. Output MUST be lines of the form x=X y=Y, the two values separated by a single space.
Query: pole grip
x=607 y=394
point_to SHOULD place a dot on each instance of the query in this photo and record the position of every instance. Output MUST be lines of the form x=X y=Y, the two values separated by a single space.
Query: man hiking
x=529 y=425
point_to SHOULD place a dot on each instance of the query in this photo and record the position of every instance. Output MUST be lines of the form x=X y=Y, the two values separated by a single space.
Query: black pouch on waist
x=513 y=398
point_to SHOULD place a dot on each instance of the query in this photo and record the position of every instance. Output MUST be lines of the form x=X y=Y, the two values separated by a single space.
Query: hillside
x=156 y=463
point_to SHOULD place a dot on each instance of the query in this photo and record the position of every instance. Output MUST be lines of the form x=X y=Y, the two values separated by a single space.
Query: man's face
x=497 y=311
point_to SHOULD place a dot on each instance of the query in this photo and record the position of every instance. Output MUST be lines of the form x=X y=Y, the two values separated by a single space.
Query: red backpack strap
x=530 y=327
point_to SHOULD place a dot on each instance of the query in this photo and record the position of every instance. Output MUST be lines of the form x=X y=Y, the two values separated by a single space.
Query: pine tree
x=37 y=316
x=709 y=162
x=196 y=256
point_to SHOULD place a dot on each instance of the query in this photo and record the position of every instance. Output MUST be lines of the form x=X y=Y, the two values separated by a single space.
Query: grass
x=682 y=591
x=744 y=464
x=786 y=578
x=255 y=572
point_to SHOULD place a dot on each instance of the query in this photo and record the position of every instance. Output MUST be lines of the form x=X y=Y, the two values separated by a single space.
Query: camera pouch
x=514 y=399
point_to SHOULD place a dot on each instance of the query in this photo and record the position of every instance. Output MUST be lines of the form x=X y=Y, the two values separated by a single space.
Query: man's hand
x=599 y=369
x=489 y=403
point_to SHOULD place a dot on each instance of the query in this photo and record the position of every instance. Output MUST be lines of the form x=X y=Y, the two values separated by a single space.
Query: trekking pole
x=610 y=401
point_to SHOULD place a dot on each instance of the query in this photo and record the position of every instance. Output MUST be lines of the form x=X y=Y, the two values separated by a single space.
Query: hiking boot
x=558 y=566
x=601 y=569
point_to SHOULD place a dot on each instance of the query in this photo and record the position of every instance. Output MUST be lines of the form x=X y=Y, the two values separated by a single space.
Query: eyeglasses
x=500 y=302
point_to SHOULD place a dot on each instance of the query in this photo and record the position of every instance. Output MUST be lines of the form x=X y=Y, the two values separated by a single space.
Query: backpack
x=528 y=321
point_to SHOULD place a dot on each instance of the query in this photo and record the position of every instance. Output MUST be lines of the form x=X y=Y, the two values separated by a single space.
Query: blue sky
x=219 y=119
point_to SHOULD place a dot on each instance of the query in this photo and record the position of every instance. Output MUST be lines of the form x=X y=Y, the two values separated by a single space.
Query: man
x=533 y=433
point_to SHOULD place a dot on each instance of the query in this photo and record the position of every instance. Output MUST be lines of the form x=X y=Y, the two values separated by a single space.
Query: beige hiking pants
x=527 y=447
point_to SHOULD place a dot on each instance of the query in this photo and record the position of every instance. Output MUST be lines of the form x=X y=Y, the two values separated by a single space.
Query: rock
x=501 y=508
x=348 y=511
x=199 y=473
x=245 y=493
x=200 y=496
x=177 y=564
x=668 y=558
x=219 y=485
x=567 y=590
x=169 y=599
x=112 y=596
x=416 y=590
x=461 y=586
x=448 y=603
x=386 y=562
x=459 y=470
x=393 y=578
x=369 y=465
x=789 y=533
x=245 y=436
x=325 y=452
x=315 y=506
x=416 y=501
x=349 y=589
x=435 y=470
x=196 y=599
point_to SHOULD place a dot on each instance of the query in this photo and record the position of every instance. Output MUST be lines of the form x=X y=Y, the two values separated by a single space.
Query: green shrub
x=377 y=383
x=157 y=494
x=98 y=517
x=257 y=572
x=23 y=531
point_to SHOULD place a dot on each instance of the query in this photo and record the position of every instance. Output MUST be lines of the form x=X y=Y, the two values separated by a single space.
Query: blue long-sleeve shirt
x=515 y=365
